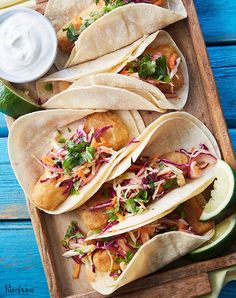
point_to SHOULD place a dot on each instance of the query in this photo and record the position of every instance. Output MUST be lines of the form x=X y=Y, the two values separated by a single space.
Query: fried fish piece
x=193 y=210
x=115 y=137
x=103 y=262
x=94 y=219
x=64 y=43
x=46 y=195
x=176 y=157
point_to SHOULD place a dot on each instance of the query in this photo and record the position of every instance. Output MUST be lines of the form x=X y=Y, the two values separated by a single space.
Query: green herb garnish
x=71 y=230
x=73 y=191
x=129 y=257
x=112 y=213
x=81 y=251
x=142 y=196
x=77 y=154
x=146 y=67
x=170 y=183
x=160 y=73
x=62 y=141
x=131 y=206
x=72 y=33
x=152 y=184
x=48 y=87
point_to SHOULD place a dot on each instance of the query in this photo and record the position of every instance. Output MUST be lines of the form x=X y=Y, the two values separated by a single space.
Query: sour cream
x=28 y=45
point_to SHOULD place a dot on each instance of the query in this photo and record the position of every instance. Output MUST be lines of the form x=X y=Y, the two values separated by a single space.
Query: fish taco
x=115 y=261
x=62 y=157
x=80 y=38
x=154 y=78
x=175 y=161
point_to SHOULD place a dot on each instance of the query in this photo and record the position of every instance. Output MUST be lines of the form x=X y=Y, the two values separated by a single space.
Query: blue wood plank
x=12 y=200
x=217 y=19
x=3 y=127
x=229 y=291
x=20 y=261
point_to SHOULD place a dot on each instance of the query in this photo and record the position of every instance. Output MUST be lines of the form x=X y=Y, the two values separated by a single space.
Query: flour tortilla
x=120 y=90
x=110 y=63
x=31 y=135
x=129 y=23
x=168 y=133
x=153 y=255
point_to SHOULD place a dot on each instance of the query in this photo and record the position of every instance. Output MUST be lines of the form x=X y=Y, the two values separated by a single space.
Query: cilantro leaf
x=73 y=191
x=72 y=33
x=70 y=162
x=71 y=230
x=142 y=196
x=77 y=154
x=62 y=141
x=129 y=257
x=48 y=87
x=170 y=183
x=78 y=235
x=88 y=155
x=131 y=206
x=152 y=184
x=112 y=213
x=81 y=251
x=147 y=67
x=161 y=69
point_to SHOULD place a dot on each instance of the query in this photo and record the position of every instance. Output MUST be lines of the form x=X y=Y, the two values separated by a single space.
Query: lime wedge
x=223 y=194
x=223 y=237
x=15 y=103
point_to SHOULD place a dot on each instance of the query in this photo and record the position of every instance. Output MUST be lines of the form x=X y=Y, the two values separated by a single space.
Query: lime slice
x=15 y=103
x=223 y=237
x=223 y=194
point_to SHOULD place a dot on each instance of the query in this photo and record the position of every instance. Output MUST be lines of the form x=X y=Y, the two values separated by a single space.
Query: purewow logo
x=18 y=290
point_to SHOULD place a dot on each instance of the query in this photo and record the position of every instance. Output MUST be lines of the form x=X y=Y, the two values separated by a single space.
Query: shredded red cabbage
x=102 y=205
x=107 y=227
x=100 y=131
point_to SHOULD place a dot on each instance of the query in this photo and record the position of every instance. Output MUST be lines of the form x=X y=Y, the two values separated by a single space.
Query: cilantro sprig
x=77 y=154
x=146 y=67
x=71 y=33
x=132 y=204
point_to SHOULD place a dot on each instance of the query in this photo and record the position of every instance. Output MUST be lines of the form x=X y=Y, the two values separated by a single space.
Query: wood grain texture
x=193 y=286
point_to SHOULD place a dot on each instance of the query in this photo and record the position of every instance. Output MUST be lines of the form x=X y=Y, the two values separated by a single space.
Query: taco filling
x=147 y=180
x=159 y=67
x=77 y=156
x=70 y=32
x=112 y=255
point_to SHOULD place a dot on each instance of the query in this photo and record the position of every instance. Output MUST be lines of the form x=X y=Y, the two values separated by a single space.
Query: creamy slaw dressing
x=27 y=48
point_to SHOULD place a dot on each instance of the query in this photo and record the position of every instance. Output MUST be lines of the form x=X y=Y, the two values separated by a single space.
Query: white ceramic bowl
x=28 y=45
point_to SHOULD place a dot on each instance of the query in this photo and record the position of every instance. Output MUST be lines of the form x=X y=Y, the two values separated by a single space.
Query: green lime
x=223 y=194
x=15 y=103
x=224 y=236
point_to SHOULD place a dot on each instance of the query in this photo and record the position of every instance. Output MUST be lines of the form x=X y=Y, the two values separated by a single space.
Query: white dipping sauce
x=28 y=45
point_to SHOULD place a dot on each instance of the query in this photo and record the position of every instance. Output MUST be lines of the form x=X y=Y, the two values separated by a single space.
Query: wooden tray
x=181 y=279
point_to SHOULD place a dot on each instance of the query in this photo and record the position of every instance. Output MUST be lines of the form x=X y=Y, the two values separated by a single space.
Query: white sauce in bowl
x=28 y=45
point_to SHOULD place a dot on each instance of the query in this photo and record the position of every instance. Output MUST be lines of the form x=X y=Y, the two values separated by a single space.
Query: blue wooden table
x=20 y=263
